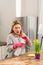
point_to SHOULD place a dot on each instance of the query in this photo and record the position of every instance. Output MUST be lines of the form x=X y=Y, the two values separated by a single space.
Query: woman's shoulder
x=10 y=35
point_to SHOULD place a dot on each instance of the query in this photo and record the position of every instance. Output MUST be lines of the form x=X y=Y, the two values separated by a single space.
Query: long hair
x=14 y=23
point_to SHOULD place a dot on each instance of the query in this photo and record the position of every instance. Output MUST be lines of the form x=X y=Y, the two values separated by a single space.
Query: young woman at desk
x=16 y=40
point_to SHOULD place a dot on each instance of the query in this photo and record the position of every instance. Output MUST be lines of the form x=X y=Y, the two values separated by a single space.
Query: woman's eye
x=17 y=27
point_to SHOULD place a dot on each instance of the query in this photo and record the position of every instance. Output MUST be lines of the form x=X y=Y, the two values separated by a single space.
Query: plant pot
x=37 y=56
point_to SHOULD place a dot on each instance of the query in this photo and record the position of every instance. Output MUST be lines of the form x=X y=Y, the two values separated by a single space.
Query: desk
x=22 y=60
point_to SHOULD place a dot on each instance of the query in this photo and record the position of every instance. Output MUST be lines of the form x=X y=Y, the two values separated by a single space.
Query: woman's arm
x=9 y=43
x=26 y=38
x=18 y=45
x=13 y=45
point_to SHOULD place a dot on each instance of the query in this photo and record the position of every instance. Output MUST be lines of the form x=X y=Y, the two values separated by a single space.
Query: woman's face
x=17 y=29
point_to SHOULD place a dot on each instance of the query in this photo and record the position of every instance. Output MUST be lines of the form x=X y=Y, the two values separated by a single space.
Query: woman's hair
x=14 y=23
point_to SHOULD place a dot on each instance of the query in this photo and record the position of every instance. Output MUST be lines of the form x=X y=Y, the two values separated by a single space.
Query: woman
x=16 y=40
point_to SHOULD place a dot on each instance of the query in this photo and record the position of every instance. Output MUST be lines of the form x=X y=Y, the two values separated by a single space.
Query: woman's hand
x=23 y=34
x=14 y=46
x=26 y=38
x=20 y=44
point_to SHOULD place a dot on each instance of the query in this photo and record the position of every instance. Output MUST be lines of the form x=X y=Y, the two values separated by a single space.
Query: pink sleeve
x=26 y=38
x=19 y=44
x=14 y=46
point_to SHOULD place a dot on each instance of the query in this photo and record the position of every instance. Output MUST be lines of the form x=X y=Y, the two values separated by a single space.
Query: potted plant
x=37 y=48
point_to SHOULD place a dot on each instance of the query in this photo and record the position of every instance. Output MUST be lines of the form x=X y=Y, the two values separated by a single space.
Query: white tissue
x=17 y=52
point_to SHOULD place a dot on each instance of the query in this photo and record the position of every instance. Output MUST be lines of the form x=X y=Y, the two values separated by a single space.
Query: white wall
x=29 y=8
x=40 y=11
x=40 y=34
x=7 y=14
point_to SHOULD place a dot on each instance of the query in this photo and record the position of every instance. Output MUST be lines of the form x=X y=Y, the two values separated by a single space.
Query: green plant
x=37 y=46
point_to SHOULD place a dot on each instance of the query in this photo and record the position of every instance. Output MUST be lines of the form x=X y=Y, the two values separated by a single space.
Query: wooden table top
x=22 y=60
